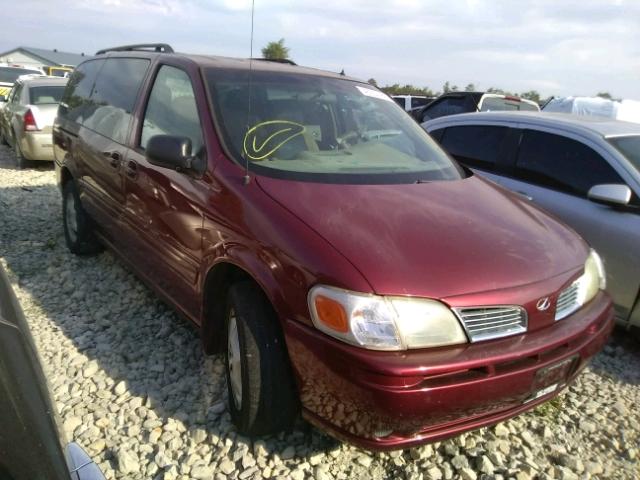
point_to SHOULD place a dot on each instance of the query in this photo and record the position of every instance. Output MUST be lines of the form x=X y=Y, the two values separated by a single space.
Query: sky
x=567 y=47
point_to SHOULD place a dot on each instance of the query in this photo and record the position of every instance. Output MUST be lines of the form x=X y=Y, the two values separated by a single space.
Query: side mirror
x=614 y=194
x=3 y=99
x=81 y=464
x=170 y=151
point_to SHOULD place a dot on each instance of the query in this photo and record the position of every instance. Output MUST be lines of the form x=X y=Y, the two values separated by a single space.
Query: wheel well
x=216 y=288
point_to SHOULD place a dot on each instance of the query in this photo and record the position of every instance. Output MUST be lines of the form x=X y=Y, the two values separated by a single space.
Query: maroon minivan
x=347 y=267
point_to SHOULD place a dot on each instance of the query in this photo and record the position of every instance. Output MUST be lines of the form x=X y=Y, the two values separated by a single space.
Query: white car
x=409 y=102
x=453 y=103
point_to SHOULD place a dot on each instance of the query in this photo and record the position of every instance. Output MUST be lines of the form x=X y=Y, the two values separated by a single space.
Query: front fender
x=245 y=227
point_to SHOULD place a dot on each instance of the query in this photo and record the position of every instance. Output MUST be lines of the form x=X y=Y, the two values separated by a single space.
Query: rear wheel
x=78 y=226
x=262 y=395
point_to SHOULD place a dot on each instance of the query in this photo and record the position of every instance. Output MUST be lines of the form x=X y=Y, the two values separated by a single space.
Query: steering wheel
x=348 y=138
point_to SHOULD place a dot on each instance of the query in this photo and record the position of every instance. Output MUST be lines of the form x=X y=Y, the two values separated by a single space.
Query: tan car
x=27 y=118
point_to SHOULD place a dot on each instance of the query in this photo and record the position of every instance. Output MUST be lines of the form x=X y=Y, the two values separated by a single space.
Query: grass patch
x=551 y=409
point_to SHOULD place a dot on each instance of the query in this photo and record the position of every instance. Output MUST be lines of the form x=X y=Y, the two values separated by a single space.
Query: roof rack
x=154 y=47
x=277 y=60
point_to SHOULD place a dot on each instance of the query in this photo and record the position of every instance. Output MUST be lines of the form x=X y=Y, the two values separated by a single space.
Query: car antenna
x=247 y=178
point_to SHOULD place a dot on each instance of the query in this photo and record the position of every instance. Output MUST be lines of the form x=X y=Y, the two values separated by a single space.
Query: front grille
x=568 y=301
x=484 y=323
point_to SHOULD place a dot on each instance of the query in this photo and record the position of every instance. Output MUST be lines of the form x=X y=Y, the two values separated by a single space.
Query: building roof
x=51 y=56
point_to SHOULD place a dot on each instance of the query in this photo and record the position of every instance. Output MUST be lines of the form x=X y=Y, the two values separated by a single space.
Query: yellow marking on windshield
x=256 y=151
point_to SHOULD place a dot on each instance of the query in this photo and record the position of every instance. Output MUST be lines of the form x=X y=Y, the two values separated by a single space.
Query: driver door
x=163 y=208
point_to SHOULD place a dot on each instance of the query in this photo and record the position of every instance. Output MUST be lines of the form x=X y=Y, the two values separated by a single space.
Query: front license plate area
x=548 y=379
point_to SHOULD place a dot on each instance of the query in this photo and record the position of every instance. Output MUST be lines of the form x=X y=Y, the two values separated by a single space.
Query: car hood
x=439 y=239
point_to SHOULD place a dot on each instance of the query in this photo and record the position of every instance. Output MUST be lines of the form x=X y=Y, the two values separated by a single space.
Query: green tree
x=275 y=50
x=606 y=95
x=372 y=81
x=408 y=89
x=470 y=88
x=447 y=87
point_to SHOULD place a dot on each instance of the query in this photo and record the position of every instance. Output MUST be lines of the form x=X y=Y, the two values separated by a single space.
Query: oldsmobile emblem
x=543 y=304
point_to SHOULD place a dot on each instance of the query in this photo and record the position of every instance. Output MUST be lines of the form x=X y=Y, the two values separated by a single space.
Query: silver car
x=585 y=170
x=26 y=121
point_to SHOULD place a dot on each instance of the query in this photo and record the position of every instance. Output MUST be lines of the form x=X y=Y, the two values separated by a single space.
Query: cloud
x=561 y=48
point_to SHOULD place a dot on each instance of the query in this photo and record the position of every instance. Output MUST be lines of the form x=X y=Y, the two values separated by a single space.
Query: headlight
x=383 y=323
x=593 y=279
x=584 y=288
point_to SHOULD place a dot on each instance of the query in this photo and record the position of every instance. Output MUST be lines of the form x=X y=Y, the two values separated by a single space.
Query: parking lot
x=133 y=387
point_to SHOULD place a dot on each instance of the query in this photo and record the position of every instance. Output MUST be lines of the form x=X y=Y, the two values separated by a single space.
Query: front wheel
x=78 y=226
x=262 y=395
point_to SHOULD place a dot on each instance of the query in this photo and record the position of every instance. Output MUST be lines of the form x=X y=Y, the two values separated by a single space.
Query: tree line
x=277 y=51
x=408 y=89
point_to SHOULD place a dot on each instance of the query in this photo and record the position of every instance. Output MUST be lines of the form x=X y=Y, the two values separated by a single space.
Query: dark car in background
x=32 y=445
x=585 y=170
x=315 y=234
x=464 y=102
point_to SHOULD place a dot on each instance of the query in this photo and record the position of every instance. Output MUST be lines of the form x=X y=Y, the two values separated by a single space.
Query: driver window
x=172 y=109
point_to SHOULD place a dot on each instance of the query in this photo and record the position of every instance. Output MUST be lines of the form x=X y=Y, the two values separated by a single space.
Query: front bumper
x=392 y=400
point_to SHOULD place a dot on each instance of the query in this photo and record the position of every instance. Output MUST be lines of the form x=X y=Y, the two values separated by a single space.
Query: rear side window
x=476 y=146
x=75 y=100
x=11 y=74
x=48 y=95
x=418 y=102
x=114 y=96
x=562 y=163
x=172 y=109
x=446 y=106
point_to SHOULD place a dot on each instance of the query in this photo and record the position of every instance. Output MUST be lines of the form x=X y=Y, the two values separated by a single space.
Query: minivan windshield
x=319 y=128
x=629 y=146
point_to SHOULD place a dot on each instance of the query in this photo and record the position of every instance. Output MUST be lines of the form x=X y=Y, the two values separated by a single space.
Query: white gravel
x=134 y=389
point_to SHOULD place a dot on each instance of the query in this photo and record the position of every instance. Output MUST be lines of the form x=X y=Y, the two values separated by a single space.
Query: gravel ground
x=134 y=389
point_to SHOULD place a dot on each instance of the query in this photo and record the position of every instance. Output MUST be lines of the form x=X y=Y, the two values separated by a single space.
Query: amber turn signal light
x=332 y=314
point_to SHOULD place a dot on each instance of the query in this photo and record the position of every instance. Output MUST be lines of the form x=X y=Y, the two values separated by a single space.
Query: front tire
x=262 y=394
x=78 y=226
